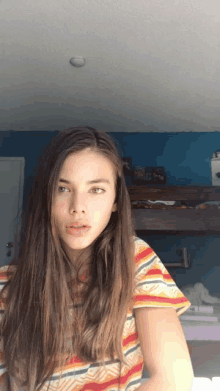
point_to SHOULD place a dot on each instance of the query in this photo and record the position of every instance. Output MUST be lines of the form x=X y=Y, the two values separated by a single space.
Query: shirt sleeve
x=154 y=287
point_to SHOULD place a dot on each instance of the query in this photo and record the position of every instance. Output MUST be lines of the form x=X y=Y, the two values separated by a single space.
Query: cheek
x=60 y=208
x=97 y=216
x=98 y=207
x=101 y=212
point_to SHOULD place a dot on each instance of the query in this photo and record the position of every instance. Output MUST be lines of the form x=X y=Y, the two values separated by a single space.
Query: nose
x=78 y=203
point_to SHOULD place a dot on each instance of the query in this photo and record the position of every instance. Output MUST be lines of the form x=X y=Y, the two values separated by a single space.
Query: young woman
x=86 y=308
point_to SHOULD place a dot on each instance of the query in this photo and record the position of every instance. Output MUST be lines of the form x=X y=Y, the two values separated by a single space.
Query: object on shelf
x=158 y=204
x=127 y=165
x=162 y=202
x=149 y=175
x=215 y=168
x=204 y=205
x=198 y=294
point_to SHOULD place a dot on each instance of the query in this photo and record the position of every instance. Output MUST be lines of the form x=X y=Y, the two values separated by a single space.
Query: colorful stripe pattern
x=154 y=287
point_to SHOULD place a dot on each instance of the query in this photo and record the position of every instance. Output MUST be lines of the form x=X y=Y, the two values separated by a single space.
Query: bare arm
x=164 y=349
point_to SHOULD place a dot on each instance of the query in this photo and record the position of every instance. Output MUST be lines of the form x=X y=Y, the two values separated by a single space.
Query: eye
x=94 y=188
x=61 y=187
x=98 y=189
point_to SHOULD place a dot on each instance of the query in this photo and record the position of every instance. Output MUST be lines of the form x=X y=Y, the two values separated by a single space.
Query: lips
x=78 y=226
x=78 y=231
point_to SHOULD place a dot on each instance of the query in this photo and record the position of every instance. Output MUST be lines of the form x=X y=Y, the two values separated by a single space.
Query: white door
x=11 y=197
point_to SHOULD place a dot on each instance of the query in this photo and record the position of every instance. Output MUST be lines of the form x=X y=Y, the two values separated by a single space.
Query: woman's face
x=92 y=203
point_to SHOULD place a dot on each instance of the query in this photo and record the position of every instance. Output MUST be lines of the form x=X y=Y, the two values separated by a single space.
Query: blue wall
x=186 y=158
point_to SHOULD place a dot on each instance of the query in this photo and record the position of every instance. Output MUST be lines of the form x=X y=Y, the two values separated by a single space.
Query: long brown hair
x=37 y=320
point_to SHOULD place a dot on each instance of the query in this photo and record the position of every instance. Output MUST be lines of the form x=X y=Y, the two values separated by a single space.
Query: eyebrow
x=103 y=180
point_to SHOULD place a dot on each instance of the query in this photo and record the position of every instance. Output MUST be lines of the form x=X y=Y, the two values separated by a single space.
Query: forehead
x=88 y=165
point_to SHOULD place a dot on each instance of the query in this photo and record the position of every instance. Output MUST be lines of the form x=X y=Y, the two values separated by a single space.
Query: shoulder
x=6 y=272
x=145 y=256
x=140 y=246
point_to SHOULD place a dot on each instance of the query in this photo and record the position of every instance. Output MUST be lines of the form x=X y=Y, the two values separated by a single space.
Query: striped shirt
x=154 y=287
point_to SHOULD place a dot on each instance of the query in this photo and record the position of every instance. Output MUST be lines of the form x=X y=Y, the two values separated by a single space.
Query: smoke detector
x=77 y=61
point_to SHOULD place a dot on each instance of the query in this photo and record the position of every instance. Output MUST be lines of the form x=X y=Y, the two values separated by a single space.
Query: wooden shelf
x=205 y=221
x=177 y=220
x=143 y=232
x=174 y=193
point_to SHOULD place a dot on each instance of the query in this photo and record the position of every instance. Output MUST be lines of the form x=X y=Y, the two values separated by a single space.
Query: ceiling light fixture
x=77 y=61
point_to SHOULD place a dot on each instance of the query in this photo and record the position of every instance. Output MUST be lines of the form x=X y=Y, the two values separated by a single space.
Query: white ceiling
x=151 y=65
